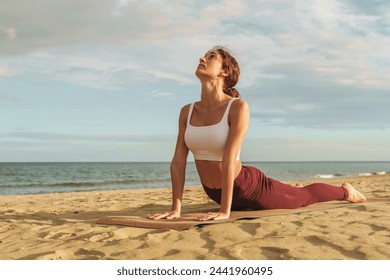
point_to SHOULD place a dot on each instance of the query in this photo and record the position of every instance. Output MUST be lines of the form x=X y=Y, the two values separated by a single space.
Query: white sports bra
x=208 y=142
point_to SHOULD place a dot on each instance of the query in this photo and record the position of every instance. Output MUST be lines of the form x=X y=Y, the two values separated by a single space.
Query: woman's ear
x=223 y=73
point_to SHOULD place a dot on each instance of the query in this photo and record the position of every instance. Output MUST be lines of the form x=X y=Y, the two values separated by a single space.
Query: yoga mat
x=188 y=220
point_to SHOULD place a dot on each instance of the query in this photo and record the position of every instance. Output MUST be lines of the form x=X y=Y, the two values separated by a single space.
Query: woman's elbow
x=228 y=162
x=178 y=163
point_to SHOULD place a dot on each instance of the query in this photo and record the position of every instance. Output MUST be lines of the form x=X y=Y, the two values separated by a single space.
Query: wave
x=328 y=176
x=325 y=176
x=373 y=173
x=366 y=174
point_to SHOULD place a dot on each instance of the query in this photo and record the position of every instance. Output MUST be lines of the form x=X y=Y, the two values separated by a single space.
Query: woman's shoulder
x=184 y=112
x=239 y=104
x=238 y=111
x=185 y=108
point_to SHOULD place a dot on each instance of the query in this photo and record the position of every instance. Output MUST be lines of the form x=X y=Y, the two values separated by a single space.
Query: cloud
x=327 y=38
x=338 y=145
x=161 y=94
x=6 y=98
x=47 y=24
x=306 y=101
x=46 y=146
x=168 y=76
x=308 y=63
x=332 y=39
x=48 y=136
x=5 y=71
x=375 y=7
x=9 y=32
x=344 y=113
x=112 y=69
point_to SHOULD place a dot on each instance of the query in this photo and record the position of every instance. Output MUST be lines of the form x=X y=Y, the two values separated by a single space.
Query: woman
x=214 y=129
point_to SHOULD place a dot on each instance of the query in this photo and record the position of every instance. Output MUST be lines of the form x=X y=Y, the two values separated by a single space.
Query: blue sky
x=84 y=80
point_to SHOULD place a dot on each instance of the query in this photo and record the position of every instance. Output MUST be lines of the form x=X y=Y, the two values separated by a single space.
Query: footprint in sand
x=89 y=254
x=275 y=253
x=100 y=237
x=58 y=235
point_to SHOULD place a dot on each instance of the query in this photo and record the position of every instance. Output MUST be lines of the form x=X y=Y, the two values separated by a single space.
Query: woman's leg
x=261 y=192
x=280 y=195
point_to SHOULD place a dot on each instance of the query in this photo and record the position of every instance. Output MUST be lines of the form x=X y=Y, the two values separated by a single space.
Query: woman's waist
x=210 y=172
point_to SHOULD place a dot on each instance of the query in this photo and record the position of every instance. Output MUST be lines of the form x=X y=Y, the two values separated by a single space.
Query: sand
x=62 y=226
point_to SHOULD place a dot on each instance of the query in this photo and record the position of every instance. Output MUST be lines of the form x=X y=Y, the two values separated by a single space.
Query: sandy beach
x=62 y=226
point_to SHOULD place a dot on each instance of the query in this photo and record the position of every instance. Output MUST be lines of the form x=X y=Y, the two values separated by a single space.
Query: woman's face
x=210 y=65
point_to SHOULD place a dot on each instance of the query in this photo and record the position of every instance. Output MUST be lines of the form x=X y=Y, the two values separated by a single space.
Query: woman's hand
x=220 y=215
x=167 y=215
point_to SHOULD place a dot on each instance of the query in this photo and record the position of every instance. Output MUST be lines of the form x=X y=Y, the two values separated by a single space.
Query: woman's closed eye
x=212 y=56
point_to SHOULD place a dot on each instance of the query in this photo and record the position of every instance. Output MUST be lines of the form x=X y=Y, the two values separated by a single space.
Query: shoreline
x=62 y=226
x=318 y=180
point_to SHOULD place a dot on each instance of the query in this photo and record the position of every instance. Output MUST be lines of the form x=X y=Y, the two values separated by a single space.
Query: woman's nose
x=202 y=59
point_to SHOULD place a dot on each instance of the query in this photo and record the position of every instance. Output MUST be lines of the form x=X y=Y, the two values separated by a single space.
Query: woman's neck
x=212 y=93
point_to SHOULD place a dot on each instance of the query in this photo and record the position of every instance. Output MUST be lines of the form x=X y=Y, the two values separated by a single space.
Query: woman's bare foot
x=354 y=195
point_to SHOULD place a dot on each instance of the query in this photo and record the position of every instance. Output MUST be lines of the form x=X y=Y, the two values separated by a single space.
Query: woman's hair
x=232 y=69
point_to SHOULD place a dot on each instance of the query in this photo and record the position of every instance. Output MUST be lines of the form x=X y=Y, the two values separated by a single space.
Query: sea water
x=32 y=178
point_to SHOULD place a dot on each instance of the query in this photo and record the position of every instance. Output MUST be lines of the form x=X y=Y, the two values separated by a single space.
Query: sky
x=85 y=80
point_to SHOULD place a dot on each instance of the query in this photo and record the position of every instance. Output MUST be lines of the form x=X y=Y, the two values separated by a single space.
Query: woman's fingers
x=166 y=215
x=207 y=217
x=158 y=216
x=154 y=216
x=214 y=216
x=172 y=215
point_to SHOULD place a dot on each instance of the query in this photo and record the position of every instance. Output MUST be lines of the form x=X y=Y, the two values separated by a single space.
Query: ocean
x=33 y=178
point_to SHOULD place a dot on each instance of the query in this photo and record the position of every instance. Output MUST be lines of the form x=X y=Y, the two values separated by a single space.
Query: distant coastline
x=48 y=177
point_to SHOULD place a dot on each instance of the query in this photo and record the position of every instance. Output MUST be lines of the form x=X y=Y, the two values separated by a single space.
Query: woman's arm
x=239 y=123
x=179 y=162
x=178 y=170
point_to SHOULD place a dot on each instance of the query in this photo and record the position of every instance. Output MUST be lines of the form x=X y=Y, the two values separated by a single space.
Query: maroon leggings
x=253 y=190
